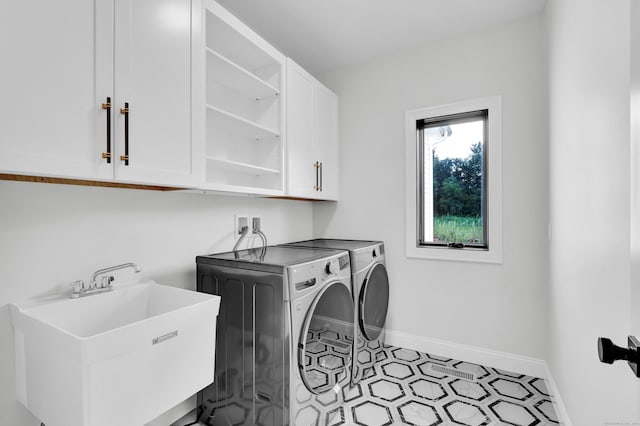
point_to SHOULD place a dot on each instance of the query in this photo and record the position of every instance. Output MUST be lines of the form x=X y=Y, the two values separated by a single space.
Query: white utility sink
x=119 y=358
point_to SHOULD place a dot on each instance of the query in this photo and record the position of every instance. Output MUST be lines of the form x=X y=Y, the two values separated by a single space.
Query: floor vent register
x=464 y=375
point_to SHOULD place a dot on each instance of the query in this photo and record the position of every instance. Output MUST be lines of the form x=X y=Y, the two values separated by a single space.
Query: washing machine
x=284 y=339
x=370 y=288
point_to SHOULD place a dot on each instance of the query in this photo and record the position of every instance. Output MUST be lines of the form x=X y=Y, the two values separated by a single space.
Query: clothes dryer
x=370 y=288
x=284 y=335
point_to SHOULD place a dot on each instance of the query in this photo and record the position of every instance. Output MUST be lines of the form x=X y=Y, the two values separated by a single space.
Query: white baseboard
x=558 y=405
x=502 y=360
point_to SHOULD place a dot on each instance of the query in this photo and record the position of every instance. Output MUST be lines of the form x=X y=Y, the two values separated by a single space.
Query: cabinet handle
x=321 y=176
x=107 y=106
x=125 y=111
x=317 y=167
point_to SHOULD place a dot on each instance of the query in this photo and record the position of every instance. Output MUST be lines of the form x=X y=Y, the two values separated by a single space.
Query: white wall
x=635 y=173
x=500 y=307
x=589 y=206
x=51 y=235
x=635 y=167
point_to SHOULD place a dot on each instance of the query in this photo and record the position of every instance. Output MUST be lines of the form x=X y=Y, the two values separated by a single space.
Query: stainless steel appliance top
x=271 y=258
x=330 y=243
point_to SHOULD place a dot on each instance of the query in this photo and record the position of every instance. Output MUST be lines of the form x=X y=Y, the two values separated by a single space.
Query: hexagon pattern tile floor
x=401 y=389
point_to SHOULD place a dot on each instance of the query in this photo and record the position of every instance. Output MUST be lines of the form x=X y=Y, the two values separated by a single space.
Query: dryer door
x=326 y=340
x=374 y=301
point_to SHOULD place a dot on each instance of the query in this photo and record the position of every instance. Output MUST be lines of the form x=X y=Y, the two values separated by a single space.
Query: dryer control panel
x=363 y=258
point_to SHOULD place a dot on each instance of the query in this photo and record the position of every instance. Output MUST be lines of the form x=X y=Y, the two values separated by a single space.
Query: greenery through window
x=453 y=180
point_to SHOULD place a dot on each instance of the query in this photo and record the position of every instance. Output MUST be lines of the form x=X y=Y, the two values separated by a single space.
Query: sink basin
x=118 y=358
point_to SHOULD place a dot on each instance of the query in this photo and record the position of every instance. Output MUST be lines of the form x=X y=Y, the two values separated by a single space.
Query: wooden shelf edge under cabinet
x=232 y=75
x=242 y=126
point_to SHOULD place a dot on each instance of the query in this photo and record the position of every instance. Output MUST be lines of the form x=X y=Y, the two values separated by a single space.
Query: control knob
x=332 y=267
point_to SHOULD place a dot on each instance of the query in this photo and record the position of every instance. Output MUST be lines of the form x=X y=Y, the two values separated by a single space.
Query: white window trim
x=494 y=183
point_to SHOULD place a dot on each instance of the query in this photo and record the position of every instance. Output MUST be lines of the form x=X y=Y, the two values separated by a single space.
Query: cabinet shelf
x=238 y=78
x=236 y=166
x=224 y=188
x=230 y=37
x=244 y=107
x=239 y=125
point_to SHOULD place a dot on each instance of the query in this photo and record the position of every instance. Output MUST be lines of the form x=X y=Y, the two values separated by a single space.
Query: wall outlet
x=256 y=223
x=240 y=220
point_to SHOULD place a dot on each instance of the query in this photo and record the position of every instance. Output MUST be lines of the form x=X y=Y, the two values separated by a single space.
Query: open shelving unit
x=244 y=104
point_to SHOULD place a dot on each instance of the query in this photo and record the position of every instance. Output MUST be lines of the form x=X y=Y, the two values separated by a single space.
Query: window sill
x=455 y=255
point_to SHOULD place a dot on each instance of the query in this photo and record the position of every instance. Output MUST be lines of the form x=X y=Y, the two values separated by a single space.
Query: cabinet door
x=153 y=52
x=56 y=73
x=302 y=172
x=326 y=141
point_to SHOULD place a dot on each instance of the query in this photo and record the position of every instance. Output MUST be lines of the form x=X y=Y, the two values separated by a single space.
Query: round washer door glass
x=325 y=355
x=374 y=301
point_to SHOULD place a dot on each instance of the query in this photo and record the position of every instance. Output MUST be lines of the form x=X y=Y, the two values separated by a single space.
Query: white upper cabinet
x=153 y=97
x=242 y=107
x=326 y=141
x=71 y=66
x=56 y=73
x=312 y=150
x=160 y=92
x=303 y=172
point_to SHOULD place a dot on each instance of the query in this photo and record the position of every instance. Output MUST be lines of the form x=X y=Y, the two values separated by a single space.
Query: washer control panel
x=304 y=277
x=332 y=267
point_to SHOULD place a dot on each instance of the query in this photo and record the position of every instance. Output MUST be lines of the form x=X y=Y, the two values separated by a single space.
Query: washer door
x=374 y=301
x=326 y=340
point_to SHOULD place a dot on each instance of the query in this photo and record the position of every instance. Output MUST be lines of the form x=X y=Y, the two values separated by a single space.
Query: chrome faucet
x=99 y=272
x=78 y=288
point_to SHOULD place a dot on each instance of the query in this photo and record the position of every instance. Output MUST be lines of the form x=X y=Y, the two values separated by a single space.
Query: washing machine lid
x=267 y=258
x=330 y=243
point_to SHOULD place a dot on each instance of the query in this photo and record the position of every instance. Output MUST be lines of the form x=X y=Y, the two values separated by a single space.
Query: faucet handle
x=77 y=287
x=106 y=281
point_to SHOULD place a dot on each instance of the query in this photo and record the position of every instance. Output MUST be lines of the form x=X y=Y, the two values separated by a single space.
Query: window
x=454 y=181
x=451 y=174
